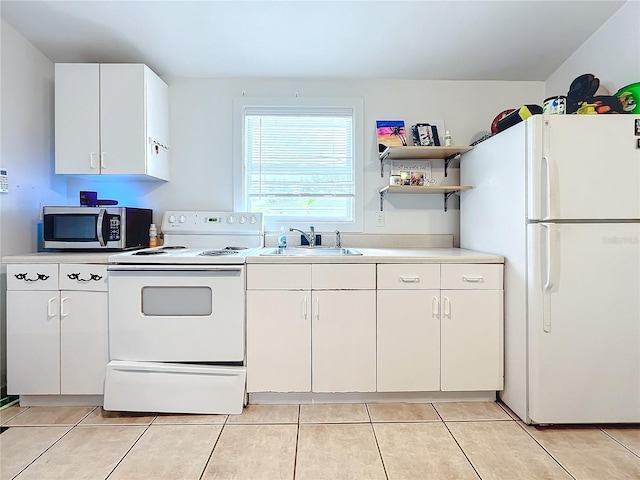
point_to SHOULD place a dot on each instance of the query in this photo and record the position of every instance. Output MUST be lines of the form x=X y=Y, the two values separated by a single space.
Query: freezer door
x=583 y=167
x=584 y=323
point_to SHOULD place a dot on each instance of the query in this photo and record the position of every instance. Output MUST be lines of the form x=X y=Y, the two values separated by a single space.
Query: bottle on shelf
x=447 y=139
x=153 y=235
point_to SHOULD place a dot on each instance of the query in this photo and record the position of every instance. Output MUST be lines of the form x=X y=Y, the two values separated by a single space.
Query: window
x=301 y=162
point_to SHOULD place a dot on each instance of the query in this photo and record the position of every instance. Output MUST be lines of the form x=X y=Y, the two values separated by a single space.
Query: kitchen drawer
x=472 y=276
x=408 y=277
x=39 y=276
x=279 y=277
x=340 y=276
x=84 y=277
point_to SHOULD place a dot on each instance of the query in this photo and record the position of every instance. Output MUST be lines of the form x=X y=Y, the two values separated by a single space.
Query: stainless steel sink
x=311 y=252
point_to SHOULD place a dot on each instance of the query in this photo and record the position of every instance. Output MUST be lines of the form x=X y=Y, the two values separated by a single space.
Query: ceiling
x=385 y=39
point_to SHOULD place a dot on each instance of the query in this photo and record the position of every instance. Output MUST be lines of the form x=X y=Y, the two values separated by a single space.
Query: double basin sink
x=311 y=252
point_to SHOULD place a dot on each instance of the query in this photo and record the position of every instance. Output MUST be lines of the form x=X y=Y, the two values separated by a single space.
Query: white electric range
x=177 y=316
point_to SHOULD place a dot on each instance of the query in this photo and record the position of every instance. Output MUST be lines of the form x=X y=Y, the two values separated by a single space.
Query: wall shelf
x=447 y=191
x=422 y=153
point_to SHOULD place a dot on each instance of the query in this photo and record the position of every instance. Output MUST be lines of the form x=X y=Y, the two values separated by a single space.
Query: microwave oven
x=96 y=228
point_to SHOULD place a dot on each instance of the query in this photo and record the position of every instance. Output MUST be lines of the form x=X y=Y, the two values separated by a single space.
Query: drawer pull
x=23 y=276
x=472 y=279
x=410 y=279
x=76 y=276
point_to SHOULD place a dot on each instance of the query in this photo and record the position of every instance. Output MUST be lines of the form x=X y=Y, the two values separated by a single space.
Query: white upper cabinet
x=111 y=119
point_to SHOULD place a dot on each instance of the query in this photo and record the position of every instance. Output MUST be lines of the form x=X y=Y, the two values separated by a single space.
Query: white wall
x=26 y=151
x=26 y=141
x=202 y=149
x=612 y=54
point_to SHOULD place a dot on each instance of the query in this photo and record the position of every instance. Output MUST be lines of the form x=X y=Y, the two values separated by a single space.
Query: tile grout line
x=4 y=424
x=46 y=449
x=457 y=443
x=617 y=441
x=130 y=448
x=295 y=457
x=375 y=437
x=215 y=444
x=545 y=450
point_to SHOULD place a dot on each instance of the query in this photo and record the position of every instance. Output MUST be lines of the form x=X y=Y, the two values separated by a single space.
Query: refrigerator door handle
x=549 y=166
x=550 y=272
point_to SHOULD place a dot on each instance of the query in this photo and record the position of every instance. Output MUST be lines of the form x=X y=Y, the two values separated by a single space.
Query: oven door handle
x=175 y=268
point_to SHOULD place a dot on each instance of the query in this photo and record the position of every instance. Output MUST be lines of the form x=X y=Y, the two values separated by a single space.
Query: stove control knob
x=231 y=219
x=253 y=219
x=172 y=218
x=243 y=219
x=182 y=219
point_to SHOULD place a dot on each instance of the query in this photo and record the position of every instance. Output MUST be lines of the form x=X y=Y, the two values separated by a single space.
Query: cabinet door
x=122 y=111
x=472 y=340
x=344 y=341
x=278 y=341
x=408 y=340
x=83 y=342
x=77 y=118
x=33 y=342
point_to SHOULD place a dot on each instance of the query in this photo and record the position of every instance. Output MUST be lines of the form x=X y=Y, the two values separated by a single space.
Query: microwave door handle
x=99 y=231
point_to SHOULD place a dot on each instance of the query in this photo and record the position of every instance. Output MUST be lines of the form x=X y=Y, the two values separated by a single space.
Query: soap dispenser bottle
x=282 y=238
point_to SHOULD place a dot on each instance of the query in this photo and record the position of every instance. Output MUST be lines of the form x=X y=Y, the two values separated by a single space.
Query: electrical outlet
x=380 y=219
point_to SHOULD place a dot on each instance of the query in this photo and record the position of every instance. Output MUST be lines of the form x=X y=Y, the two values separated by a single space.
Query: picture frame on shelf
x=412 y=174
x=390 y=133
x=425 y=135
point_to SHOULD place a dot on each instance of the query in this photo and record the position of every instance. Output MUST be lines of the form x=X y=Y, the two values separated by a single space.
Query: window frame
x=356 y=105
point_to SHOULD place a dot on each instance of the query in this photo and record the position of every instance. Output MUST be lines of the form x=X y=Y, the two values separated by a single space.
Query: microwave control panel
x=4 y=181
x=114 y=228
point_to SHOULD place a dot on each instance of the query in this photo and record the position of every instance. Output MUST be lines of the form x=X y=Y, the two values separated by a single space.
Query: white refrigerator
x=559 y=197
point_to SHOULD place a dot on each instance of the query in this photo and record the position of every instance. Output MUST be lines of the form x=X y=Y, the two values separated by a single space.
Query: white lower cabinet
x=408 y=328
x=311 y=328
x=471 y=340
x=323 y=328
x=278 y=341
x=56 y=329
x=440 y=327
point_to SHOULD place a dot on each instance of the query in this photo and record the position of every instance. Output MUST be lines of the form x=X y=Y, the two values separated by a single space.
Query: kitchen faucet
x=338 y=241
x=311 y=236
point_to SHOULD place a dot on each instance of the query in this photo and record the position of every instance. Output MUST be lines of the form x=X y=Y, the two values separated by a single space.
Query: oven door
x=167 y=313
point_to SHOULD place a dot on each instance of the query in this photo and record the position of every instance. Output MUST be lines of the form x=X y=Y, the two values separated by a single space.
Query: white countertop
x=388 y=255
x=369 y=255
x=59 y=257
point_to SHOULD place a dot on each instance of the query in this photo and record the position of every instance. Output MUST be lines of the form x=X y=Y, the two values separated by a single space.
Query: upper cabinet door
x=122 y=107
x=77 y=118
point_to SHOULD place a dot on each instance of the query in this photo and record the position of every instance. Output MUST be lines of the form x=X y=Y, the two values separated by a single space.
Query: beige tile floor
x=401 y=441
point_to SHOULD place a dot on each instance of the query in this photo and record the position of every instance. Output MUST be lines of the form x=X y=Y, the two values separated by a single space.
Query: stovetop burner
x=150 y=252
x=173 y=247
x=217 y=253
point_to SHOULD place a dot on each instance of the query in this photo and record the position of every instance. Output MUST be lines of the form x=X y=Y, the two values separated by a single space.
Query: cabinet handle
x=410 y=279
x=92 y=277
x=91 y=164
x=103 y=164
x=478 y=279
x=446 y=307
x=435 y=307
x=303 y=306
x=23 y=276
x=62 y=312
x=317 y=309
x=50 y=312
